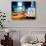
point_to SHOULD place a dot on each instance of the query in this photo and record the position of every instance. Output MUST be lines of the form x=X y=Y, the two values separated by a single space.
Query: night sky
x=25 y=4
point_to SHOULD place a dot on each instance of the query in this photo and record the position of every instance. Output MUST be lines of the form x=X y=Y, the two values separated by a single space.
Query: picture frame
x=23 y=10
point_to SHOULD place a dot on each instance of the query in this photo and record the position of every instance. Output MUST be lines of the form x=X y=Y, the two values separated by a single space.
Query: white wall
x=5 y=5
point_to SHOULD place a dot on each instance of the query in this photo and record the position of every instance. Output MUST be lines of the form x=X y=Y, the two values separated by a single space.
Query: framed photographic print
x=23 y=10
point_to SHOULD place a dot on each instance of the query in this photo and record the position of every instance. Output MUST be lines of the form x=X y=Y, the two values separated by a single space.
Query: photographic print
x=23 y=10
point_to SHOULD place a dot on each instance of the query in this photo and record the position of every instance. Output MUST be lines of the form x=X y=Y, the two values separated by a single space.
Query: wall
x=5 y=6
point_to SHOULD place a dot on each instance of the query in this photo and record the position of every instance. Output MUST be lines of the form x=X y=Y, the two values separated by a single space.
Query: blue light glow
x=19 y=3
x=29 y=10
